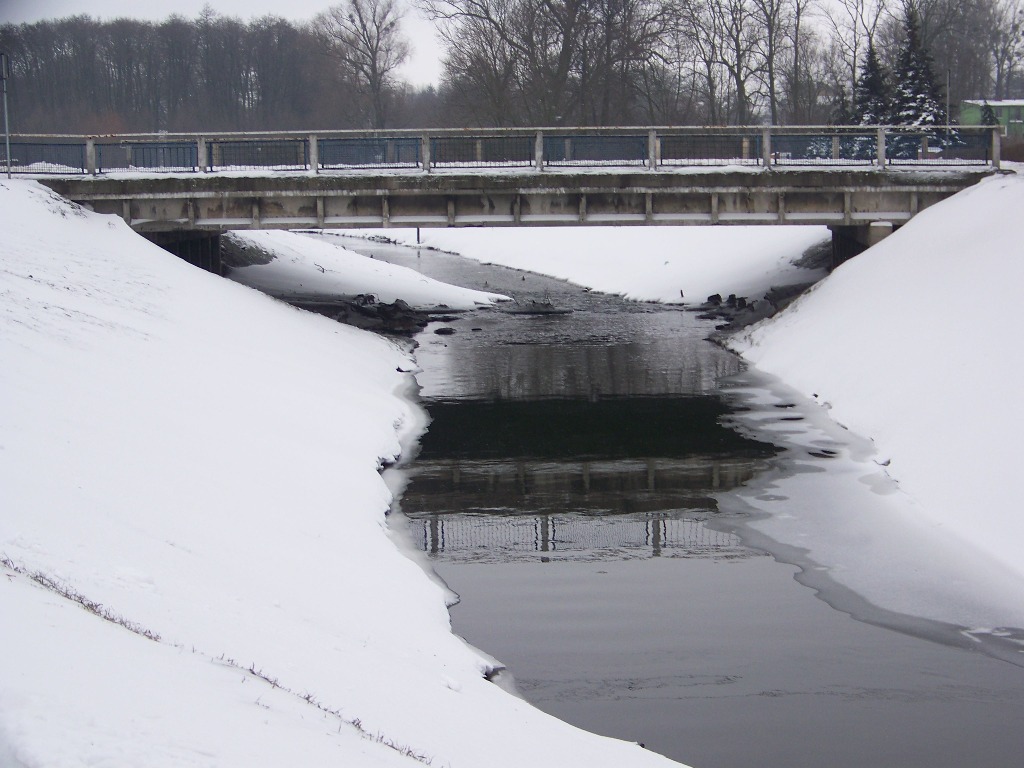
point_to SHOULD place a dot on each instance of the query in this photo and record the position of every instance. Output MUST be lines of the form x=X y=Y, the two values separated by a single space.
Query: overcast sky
x=423 y=68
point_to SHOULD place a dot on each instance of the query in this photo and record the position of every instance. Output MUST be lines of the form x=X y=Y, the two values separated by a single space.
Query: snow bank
x=667 y=264
x=200 y=463
x=915 y=344
x=308 y=267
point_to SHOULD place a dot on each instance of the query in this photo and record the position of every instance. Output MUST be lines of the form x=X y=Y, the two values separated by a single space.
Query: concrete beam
x=854 y=198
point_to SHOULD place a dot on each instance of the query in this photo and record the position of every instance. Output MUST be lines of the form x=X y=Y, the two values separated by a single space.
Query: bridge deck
x=834 y=196
x=843 y=176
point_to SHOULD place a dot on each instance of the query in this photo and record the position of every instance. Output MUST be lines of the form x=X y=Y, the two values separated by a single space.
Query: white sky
x=423 y=68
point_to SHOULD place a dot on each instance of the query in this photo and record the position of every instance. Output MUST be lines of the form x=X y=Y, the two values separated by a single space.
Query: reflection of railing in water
x=624 y=487
x=512 y=537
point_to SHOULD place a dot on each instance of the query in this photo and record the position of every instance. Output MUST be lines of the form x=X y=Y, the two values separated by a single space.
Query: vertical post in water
x=5 y=73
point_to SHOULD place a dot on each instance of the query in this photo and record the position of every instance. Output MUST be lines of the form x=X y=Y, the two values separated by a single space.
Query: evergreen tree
x=872 y=96
x=988 y=115
x=840 y=112
x=916 y=99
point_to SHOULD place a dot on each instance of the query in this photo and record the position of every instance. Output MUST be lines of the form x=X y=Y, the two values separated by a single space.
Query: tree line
x=520 y=62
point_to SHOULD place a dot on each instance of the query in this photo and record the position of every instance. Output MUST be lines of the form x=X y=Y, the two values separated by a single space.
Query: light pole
x=5 y=73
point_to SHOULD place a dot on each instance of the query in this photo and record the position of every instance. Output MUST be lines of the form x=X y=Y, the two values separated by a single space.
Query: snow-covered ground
x=197 y=568
x=306 y=267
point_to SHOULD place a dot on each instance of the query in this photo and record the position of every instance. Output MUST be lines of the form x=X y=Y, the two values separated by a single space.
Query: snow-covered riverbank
x=914 y=344
x=185 y=459
x=681 y=265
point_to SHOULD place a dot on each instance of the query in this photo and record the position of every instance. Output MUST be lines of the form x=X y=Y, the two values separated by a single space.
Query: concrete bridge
x=861 y=182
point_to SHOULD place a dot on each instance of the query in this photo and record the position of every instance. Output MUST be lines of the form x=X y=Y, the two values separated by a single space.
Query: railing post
x=652 y=150
x=201 y=158
x=90 y=156
x=880 y=148
x=425 y=152
x=766 y=146
x=835 y=147
x=314 y=154
x=538 y=151
x=996 y=146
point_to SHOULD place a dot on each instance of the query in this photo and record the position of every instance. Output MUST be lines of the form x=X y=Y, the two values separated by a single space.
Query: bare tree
x=1007 y=45
x=852 y=26
x=740 y=55
x=367 y=39
x=704 y=31
x=773 y=19
x=482 y=72
x=801 y=91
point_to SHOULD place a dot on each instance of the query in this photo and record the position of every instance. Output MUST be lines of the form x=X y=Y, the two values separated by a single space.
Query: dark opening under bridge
x=859 y=181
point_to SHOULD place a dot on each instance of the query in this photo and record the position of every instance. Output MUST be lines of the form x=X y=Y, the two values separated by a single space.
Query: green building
x=1009 y=113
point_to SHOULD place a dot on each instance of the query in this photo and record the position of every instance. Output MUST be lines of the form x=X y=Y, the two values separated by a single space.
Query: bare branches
x=365 y=36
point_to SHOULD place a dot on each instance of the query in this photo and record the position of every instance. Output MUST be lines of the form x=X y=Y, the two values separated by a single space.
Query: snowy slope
x=915 y=344
x=304 y=266
x=667 y=264
x=202 y=462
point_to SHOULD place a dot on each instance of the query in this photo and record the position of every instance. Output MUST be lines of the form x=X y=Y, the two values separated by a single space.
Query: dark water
x=566 y=490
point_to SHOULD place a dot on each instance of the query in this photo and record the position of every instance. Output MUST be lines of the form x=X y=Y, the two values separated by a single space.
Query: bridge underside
x=837 y=198
x=201 y=249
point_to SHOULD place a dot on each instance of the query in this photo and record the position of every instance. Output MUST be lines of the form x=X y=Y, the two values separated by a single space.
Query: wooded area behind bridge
x=521 y=62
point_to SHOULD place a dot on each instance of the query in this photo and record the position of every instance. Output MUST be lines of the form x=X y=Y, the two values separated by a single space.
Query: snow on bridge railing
x=536 y=148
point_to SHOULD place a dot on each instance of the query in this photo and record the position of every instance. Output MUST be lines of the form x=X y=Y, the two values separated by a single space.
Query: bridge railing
x=530 y=148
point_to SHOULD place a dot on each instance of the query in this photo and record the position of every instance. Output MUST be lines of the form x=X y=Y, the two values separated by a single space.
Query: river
x=573 y=490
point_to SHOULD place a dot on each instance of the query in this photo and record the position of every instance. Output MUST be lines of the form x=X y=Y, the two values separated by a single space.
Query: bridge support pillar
x=201 y=249
x=849 y=241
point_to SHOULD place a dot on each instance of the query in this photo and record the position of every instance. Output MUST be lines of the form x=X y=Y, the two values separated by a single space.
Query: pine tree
x=840 y=112
x=916 y=98
x=988 y=115
x=872 y=96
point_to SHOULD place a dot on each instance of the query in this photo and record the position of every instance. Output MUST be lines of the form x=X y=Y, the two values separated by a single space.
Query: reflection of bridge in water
x=503 y=538
x=520 y=509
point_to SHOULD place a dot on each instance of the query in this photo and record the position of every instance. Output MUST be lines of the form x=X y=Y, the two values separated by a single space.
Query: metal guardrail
x=61 y=157
x=536 y=148
x=367 y=152
x=155 y=156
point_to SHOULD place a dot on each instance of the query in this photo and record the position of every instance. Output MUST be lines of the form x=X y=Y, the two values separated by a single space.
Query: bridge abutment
x=849 y=241
x=201 y=249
